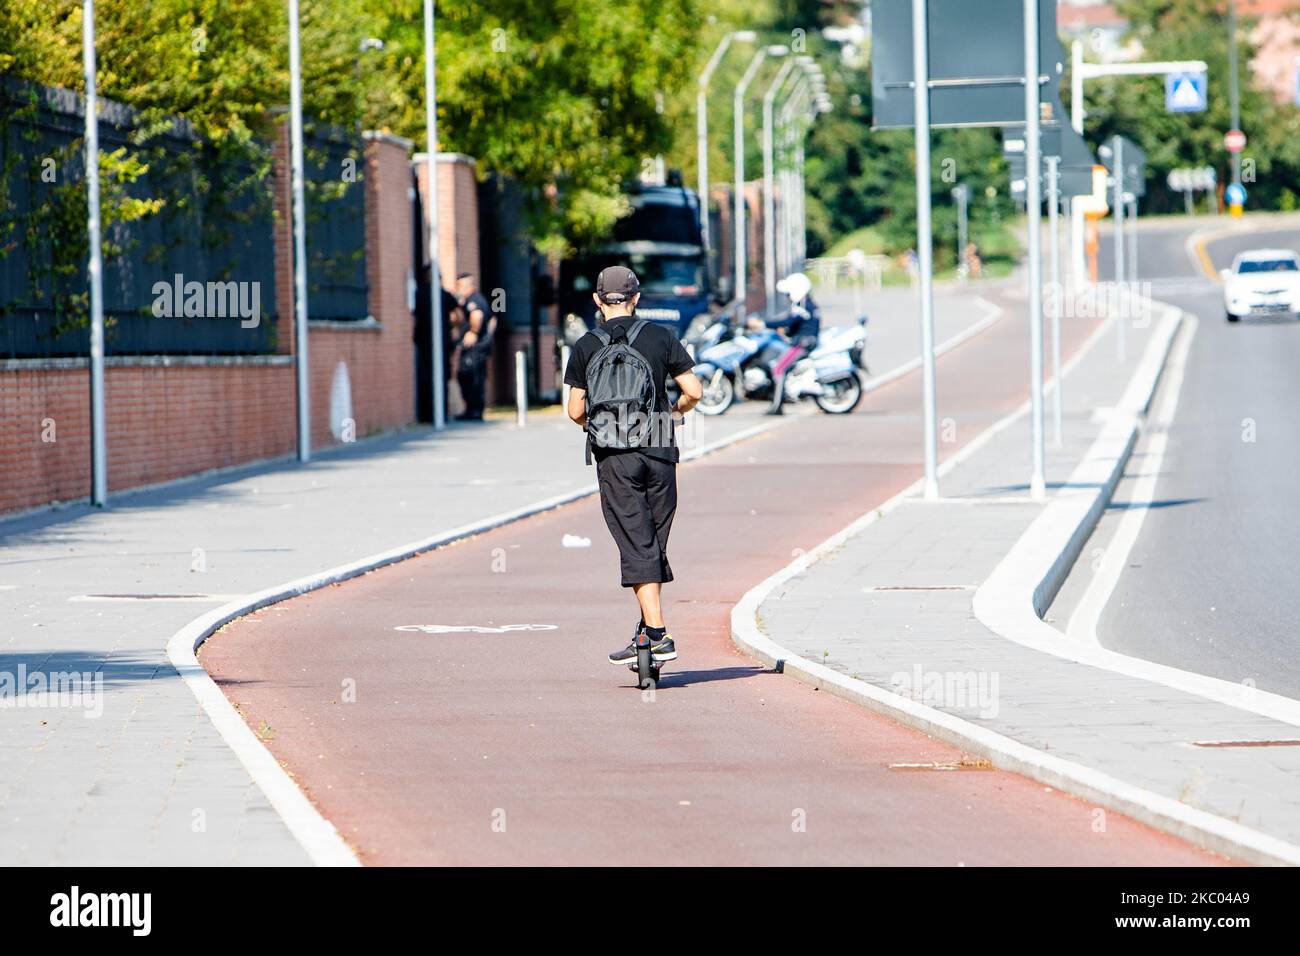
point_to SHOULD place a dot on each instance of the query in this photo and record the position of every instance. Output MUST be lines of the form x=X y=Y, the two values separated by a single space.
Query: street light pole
x=431 y=192
x=94 y=268
x=1034 y=201
x=792 y=106
x=738 y=107
x=1117 y=211
x=924 y=252
x=1133 y=242
x=769 y=198
x=302 y=365
x=1054 y=283
x=702 y=128
x=961 y=193
x=1234 y=95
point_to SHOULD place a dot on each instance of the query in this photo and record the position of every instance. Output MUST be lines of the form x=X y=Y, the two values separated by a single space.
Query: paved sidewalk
x=893 y=607
x=150 y=781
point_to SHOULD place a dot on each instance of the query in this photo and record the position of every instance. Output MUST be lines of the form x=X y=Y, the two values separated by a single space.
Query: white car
x=1262 y=282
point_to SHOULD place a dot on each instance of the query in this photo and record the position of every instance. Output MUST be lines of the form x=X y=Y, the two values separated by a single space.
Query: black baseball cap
x=616 y=284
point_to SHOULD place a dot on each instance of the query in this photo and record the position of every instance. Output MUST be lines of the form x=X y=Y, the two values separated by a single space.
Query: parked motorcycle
x=720 y=366
x=829 y=377
x=852 y=338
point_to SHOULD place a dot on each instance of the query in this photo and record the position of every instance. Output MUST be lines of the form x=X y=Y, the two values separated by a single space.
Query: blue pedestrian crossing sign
x=1185 y=92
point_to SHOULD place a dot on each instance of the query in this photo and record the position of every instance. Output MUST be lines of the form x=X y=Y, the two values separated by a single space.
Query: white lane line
x=1087 y=615
x=323 y=843
x=146 y=598
x=1083 y=781
x=1011 y=600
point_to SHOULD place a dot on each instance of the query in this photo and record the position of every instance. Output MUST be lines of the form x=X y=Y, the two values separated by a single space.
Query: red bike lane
x=526 y=747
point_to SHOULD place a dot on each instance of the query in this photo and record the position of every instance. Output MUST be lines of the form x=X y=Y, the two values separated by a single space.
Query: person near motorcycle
x=801 y=324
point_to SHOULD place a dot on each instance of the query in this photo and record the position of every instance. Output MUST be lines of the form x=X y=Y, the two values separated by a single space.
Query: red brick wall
x=458 y=238
x=165 y=422
x=380 y=361
x=168 y=418
x=32 y=471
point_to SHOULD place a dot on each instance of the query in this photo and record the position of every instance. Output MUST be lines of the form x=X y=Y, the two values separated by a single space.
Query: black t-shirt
x=667 y=356
x=474 y=302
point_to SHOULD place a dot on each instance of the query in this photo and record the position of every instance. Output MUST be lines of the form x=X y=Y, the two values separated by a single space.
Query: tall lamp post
x=794 y=103
x=769 y=198
x=1234 y=96
x=924 y=251
x=302 y=364
x=702 y=127
x=94 y=269
x=738 y=108
x=435 y=274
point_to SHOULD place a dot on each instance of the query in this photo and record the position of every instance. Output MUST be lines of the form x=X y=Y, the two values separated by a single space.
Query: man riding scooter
x=801 y=324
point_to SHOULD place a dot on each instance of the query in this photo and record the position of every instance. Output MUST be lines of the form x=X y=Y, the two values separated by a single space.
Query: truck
x=661 y=241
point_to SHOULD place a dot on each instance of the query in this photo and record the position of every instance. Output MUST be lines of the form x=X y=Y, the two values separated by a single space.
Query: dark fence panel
x=336 y=225
x=195 y=277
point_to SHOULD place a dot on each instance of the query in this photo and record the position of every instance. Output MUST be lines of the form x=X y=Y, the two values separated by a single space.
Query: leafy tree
x=1134 y=106
x=564 y=96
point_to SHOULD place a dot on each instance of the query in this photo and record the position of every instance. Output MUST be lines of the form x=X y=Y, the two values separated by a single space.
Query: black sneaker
x=628 y=654
x=663 y=649
x=625 y=656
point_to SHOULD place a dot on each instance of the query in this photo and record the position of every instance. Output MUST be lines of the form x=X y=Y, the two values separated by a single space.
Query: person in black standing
x=424 y=344
x=638 y=486
x=475 y=347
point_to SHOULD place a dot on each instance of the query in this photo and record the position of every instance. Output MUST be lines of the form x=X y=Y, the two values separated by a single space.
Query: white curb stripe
x=1196 y=826
x=323 y=843
x=1021 y=588
x=1087 y=614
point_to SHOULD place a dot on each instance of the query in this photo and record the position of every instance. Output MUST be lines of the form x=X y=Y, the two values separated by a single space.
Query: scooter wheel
x=717 y=398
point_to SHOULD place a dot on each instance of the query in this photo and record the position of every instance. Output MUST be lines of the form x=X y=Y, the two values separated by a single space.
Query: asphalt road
x=1211 y=582
x=527 y=747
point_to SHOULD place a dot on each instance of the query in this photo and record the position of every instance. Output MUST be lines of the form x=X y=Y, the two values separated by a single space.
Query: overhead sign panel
x=977 y=62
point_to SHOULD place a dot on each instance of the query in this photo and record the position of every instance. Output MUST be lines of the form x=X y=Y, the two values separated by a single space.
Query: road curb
x=1024 y=586
x=325 y=846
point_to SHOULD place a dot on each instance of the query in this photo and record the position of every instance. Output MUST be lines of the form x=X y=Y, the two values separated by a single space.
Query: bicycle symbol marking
x=474 y=628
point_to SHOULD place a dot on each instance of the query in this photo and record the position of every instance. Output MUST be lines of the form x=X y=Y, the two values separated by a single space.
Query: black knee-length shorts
x=638 y=495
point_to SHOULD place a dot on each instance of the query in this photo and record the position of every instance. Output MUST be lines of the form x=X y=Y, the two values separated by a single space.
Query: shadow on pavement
x=115 y=671
x=672 y=679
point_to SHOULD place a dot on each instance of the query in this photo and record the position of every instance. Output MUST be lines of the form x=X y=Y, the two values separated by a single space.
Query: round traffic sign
x=1235 y=194
x=1234 y=141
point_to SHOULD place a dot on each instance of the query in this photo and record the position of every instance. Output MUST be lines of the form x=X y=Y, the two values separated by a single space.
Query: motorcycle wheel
x=717 y=398
x=840 y=398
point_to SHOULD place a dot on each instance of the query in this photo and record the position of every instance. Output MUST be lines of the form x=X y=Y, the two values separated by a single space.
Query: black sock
x=657 y=633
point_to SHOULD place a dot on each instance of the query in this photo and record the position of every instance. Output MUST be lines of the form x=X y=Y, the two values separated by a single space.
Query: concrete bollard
x=521 y=388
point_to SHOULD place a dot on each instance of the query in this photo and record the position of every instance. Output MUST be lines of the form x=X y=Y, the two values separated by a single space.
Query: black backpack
x=620 y=392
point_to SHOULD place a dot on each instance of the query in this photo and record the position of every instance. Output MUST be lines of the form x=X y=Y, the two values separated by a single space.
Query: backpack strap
x=633 y=332
x=602 y=335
